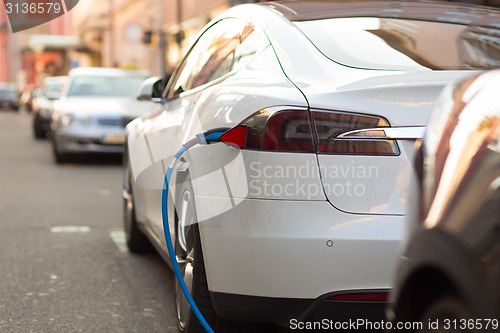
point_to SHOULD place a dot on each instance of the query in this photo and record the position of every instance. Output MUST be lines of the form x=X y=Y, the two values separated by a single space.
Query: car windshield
x=105 y=86
x=399 y=44
x=52 y=87
x=8 y=92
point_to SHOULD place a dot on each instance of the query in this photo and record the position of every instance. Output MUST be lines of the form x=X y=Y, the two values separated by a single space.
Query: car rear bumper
x=91 y=141
x=297 y=249
x=321 y=313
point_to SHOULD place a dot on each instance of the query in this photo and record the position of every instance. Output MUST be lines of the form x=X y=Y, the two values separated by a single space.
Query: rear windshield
x=105 y=86
x=398 y=44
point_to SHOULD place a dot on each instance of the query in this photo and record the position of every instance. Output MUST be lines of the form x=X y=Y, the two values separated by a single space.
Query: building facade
x=142 y=34
x=150 y=35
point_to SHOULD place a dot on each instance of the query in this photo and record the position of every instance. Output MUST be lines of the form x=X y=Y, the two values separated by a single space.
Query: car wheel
x=445 y=311
x=137 y=242
x=189 y=254
x=38 y=130
x=59 y=157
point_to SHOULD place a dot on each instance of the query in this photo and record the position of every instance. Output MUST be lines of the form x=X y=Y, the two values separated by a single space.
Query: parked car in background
x=9 y=97
x=449 y=271
x=42 y=106
x=94 y=107
x=29 y=94
x=297 y=216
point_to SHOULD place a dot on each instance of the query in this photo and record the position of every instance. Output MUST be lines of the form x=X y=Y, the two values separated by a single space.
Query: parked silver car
x=9 y=97
x=42 y=105
x=94 y=107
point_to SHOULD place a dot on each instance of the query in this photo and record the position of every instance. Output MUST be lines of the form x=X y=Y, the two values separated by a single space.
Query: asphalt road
x=63 y=262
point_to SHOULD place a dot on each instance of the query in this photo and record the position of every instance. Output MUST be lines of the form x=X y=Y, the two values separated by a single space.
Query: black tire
x=137 y=242
x=188 y=250
x=190 y=259
x=446 y=311
x=59 y=157
x=38 y=130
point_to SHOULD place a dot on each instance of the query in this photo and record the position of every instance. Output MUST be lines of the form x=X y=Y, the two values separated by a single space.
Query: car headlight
x=70 y=119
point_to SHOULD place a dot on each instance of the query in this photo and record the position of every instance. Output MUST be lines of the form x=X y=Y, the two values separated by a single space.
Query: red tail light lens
x=236 y=136
x=331 y=124
x=273 y=129
x=378 y=297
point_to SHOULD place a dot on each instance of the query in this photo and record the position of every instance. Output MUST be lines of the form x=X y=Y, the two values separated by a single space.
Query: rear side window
x=251 y=42
x=217 y=58
x=227 y=45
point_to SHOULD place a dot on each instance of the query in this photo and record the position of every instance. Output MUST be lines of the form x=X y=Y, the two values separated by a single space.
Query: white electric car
x=298 y=214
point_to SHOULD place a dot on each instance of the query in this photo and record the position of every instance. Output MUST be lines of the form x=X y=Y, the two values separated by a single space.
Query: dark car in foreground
x=449 y=273
x=9 y=98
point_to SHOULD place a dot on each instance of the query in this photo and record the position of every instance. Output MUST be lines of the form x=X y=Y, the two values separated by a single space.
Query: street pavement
x=64 y=266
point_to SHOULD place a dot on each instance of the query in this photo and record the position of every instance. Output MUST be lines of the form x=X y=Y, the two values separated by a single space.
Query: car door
x=210 y=59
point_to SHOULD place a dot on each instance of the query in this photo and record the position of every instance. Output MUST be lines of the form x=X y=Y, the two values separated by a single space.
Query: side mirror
x=151 y=90
x=53 y=95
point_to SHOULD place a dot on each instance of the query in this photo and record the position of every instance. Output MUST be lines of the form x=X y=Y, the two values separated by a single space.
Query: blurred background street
x=64 y=264
x=149 y=35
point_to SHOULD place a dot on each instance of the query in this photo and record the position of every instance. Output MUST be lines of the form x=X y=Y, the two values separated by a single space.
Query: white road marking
x=118 y=236
x=104 y=192
x=70 y=229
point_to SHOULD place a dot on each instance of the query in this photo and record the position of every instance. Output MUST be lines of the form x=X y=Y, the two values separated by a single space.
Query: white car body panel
x=261 y=233
x=366 y=184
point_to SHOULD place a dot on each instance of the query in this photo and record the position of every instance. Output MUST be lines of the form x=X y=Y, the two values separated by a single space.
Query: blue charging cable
x=202 y=138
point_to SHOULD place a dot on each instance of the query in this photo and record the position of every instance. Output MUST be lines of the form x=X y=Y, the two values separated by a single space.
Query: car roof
x=417 y=10
x=55 y=79
x=106 y=71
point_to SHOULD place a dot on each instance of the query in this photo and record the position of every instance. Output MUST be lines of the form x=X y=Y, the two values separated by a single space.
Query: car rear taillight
x=236 y=136
x=272 y=130
x=374 y=297
x=292 y=130
x=329 y=125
